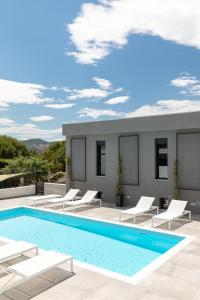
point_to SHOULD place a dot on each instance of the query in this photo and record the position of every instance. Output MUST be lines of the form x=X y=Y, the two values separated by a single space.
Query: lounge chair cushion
x=144 y=204
x=38 y=264
x=68 y=197
x=175 y=209
x=14 y=248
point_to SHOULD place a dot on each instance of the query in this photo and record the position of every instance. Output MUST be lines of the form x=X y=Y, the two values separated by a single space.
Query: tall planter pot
x=119 y=198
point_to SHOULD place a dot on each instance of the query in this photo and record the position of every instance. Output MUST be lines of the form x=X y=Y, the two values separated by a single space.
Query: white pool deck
x=178 y=278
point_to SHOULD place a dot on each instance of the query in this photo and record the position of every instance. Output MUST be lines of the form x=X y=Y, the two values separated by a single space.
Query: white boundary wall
x=54 y=188
x=17 y=192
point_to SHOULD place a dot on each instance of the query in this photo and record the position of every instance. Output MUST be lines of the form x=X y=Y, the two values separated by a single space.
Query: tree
x=36 y=167
x=12 y=148
x=56 y=155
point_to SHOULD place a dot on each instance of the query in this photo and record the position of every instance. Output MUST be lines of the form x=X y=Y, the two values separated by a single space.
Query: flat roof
x=177 y=121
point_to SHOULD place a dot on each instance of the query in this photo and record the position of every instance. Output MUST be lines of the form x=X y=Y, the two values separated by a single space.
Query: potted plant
x=68 y=173
x=119 y=196
x=175 y=171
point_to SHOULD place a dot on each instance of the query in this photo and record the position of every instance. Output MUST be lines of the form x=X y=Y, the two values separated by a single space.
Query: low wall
x=54 y=188
x=17 y=192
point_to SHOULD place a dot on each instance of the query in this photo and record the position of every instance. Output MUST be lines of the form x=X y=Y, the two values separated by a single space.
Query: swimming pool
x=119 y=249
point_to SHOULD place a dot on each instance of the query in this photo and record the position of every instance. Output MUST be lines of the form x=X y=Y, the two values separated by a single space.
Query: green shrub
x=12 y=148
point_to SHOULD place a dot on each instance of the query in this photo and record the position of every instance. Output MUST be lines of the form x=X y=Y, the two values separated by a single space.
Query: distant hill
x=37 y=145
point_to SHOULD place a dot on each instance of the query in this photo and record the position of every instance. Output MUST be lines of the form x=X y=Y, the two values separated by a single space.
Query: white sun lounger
x=143 y=206
x=88 y=198
x=37 y=199
x=14 y=249
x=71 y=194
x=175 y=210
x=30 y=268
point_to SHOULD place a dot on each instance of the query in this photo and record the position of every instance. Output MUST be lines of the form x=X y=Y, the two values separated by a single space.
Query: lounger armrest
x=155 y=207
x=188 y=212
x=77 y=198
x=96 y=199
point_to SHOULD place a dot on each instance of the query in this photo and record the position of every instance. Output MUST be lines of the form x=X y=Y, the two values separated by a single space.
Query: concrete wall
x=106 y=184
x=148 y=185
x=194 y=199
x=54 y=188
x=17 y=192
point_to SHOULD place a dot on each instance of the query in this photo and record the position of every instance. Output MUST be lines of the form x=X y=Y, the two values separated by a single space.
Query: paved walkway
x=178 y=278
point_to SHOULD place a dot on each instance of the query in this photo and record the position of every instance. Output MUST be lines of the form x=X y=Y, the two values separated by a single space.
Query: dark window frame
x=157 y=158
x=99 y=155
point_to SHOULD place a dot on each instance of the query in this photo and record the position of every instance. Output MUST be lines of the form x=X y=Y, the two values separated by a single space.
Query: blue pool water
x=116 y=248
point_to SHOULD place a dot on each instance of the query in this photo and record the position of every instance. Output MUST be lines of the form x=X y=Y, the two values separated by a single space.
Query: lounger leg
x=6 y=283
x=169 y=225
x=100 y=203
x=190 y=216
x=71 y=266
x=3 y=270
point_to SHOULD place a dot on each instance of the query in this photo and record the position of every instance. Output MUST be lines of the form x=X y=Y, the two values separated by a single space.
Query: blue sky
x=77 y=61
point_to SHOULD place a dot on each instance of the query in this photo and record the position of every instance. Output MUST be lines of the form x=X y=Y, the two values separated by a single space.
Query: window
x=161 y=150
x=101 y=156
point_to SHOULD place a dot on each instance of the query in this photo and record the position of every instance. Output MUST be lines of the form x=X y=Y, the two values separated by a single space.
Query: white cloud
x=60 y=105
x=103 y=83
x=6 y=122
x=117 y=100
x=101 y=27
x=54 y=88
x=194 y=90
x=184 y=81
x=88 y=94
x=189 y=85
x=119 y=89
x=96 y=113
x=161 y=107
x=27 y=131
x=12 y=92
x=41 y=118
x=165 y=107
x=103 y=90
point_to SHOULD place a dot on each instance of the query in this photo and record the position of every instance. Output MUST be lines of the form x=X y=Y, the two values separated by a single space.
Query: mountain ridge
x=37 y=145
